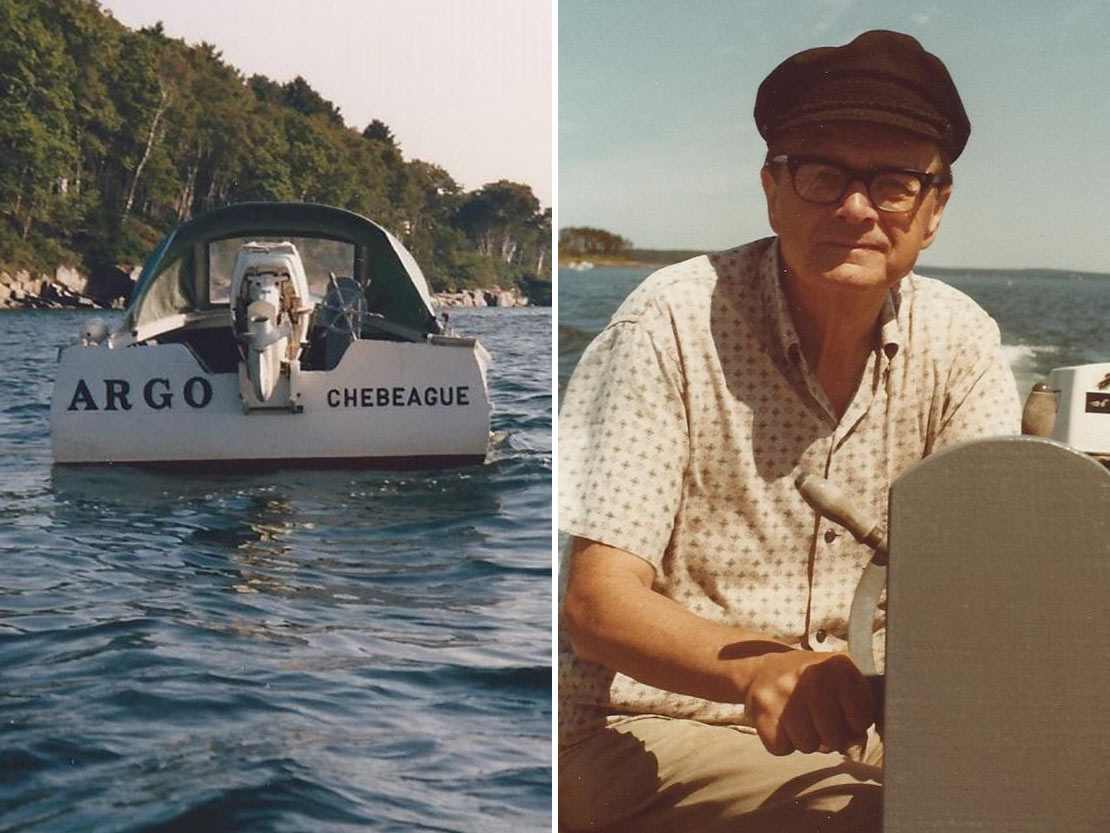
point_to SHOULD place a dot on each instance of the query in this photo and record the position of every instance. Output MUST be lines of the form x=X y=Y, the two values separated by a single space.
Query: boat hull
x=386 y=404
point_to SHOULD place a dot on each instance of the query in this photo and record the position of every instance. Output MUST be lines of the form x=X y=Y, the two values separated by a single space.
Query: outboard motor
x=269 y=312
x=1073 y=408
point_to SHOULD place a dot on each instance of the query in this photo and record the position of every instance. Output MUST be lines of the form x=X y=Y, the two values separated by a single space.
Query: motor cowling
x=1081 y=396
x=269 y=311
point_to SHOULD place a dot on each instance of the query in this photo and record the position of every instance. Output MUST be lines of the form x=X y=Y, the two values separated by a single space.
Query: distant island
x=941 y=271
x=580 y=245
x=633 y=258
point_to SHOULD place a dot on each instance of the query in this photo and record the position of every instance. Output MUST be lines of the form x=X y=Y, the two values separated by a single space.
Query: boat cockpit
x=258 y=288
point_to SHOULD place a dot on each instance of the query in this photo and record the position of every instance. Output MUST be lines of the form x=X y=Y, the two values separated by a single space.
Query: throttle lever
x=829 y=501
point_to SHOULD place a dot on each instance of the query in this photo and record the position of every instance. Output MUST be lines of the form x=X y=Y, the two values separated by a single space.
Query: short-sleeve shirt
x=687 y=421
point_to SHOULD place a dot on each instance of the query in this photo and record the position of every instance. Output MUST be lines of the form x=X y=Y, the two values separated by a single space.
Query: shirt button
x=831 y=535
x=820 y=636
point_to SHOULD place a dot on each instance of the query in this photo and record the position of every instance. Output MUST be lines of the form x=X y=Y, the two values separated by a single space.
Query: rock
x=463 y=298
x=505 y=298
x=62 y=296
x=108 y=285
x=70 y=278
x=492 y=297
x=66 y=287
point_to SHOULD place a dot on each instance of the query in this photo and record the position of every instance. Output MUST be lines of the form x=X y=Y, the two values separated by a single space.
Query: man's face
x=850 y=243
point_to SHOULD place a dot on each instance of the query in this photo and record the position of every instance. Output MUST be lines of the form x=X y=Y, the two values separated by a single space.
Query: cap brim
x=860 y=114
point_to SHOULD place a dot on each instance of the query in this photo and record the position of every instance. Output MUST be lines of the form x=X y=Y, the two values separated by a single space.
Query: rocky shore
x=111 y=288
x=495 y=297
x=107 y=288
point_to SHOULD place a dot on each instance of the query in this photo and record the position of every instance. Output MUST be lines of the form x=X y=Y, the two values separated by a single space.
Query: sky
x=463 y=84
x=656 y=140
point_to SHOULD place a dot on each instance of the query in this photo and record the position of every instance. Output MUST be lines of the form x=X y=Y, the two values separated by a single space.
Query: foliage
x=378 y=131
x=111 y=136
x=537 y=289
x=583 y=240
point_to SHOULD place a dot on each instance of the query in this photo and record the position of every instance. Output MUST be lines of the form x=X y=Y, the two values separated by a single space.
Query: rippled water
x=295 y=650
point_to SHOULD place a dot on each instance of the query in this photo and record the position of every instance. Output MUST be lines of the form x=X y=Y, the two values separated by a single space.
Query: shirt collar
x=785 y=336
x=890 y=332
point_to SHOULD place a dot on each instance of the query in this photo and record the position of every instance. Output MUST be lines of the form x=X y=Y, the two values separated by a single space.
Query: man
x=703 y=681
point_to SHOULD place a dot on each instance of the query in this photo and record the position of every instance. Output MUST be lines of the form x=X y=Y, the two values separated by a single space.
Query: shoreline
x=493 y=296
x=649 y=259
x=604 y=262
x=631 y=259
x=111 y=289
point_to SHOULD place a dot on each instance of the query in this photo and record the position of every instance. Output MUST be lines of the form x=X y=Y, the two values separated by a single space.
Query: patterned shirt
x=687 y=421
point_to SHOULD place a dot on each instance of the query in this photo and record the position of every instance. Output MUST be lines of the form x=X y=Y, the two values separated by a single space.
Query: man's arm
x=796 y=699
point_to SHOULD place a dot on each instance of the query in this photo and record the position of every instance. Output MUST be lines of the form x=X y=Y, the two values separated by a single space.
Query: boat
x=274 y=333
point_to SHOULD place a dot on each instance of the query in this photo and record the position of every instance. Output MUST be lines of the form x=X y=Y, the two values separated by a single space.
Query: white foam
x=1026 y=363
x=1014 y=353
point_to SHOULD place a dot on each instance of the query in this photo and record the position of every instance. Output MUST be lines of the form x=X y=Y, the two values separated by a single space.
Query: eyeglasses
x=893 y=190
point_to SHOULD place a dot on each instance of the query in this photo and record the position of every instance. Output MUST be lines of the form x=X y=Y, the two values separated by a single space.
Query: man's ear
x=933 y=224
x=771 y=192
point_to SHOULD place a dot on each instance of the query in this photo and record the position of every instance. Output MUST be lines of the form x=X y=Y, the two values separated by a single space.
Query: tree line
x=582 y=240
x=110 y=136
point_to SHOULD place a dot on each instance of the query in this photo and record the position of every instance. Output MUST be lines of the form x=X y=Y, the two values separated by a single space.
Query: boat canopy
x=189 y=271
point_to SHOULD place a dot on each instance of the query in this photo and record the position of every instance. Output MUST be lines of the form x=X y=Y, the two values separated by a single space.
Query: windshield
x=191 y=270
x=319 y=255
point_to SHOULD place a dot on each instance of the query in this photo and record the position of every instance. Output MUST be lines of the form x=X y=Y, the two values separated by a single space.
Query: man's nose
x=856 y=203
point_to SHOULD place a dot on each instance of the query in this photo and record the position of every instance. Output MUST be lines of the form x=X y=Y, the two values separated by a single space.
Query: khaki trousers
x=660 y=775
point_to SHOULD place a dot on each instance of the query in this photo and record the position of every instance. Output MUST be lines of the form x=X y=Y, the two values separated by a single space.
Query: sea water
x=287 y=651
x=1047 y=318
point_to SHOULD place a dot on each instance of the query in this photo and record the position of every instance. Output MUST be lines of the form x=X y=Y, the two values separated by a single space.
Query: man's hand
x=809 y=702
x=797 y=700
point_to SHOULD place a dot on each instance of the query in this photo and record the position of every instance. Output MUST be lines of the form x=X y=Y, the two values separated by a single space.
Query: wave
x=1015 y=353
x=532 y=681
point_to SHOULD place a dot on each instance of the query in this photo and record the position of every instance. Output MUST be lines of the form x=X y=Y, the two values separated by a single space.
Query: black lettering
x=205 y=392
x=369 y=397
x=83 y=396
x=163 y=400
x=115 y=394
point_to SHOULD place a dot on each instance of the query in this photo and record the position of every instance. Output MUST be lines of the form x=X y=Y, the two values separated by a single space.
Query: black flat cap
x=884 y=77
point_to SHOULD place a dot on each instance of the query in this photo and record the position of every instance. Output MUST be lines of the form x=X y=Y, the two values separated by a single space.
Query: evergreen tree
x=110 y=136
